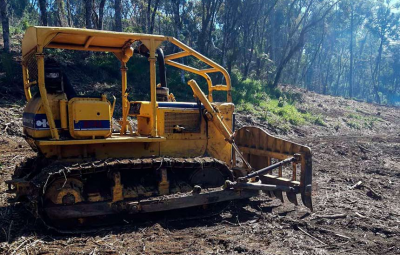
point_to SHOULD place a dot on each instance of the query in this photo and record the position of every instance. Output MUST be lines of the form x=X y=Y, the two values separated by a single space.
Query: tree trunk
x=5 y=24
x=296 y=72
x=299 y=44
x=204 y=25
x=101 y=14
x=69 y=16
x=177 y=31
x=250 y=57
x=351 y=53
x=282 y=65
x=177 y=19
x=253 y=33
x=328 y=71
x=118 y=15
x=88 y=13
x=148 y=15
x=61 y=13
x=43 y=12
x=209 y=10
x=153 y=16
x=377 y=72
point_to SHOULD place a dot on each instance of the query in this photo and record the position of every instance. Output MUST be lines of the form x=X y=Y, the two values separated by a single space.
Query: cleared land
x=356 y=163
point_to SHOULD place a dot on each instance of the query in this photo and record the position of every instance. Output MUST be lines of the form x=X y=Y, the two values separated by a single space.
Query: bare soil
x=360 y=144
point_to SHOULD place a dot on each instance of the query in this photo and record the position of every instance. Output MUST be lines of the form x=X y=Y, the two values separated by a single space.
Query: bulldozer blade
x=278 y=194
x=291 y=196
x=261 y=149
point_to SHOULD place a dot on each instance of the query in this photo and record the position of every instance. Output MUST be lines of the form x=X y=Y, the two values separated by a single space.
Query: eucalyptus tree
x=381 y=24
x=308 y=15
x=5 y=25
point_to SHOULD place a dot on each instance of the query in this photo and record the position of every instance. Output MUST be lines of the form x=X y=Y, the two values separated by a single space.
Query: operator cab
x=58 y=113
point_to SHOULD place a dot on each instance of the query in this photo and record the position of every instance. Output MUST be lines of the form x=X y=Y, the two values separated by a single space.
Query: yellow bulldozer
x=180 y=155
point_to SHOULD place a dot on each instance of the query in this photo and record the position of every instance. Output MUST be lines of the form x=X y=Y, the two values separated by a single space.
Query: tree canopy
x=347 y=48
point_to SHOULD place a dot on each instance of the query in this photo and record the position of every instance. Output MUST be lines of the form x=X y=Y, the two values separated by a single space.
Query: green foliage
x=353 y=124
x=250 y=91
x=315 y=119
x=281 y=102
x=254 y=91
x=100 y=63
x=280 y=113
x=354 y=116
x=239 y=42
x=358 y=121
x=319 y=121
x=285 y=111
x=272 y=105
x=247 y=107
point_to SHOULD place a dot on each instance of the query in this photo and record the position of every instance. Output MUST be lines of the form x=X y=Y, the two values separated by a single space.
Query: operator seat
x=56 y=81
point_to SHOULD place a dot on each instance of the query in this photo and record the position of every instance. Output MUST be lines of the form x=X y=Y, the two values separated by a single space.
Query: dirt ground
x=360 y=144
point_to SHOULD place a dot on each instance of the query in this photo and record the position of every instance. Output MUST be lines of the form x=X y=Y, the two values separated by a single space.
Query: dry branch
x=360 y=215
x=371 y=192
x=331 y=216
x=357 y=185
x=313 y=237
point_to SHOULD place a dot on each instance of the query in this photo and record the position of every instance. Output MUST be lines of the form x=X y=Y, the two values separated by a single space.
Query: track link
x=98 y=177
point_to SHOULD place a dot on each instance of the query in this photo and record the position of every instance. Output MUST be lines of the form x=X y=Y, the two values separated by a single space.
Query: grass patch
x=319 y=121
x=271 y=105
x=353 y=124
x=285 y=111
x=354 y=116
x=246 y=107
x=281 y=114
x=358 y=121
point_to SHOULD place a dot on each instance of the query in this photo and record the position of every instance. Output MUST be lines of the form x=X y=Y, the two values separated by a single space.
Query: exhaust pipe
x=163 y=91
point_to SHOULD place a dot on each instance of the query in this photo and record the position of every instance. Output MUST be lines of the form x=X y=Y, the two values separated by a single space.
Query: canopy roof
x=36 y=38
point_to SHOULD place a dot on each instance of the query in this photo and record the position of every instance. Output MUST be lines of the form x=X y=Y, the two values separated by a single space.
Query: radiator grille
x=190 y=121
x=31 y=65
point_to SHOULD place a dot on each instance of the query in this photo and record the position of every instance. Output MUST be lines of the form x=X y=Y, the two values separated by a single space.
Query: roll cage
x=37 y=38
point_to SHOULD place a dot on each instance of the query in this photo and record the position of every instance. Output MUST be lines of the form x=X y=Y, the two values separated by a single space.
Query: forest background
x=347 y=48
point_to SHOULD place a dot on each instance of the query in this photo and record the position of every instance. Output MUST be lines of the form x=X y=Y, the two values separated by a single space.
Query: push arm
x=216 y=118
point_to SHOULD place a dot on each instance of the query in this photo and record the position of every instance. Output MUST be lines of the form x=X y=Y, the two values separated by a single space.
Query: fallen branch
x=343 y=236
x=360 y=215
x=313 y=237
x=19 y=246
x=331 y=216
x=229 y=223
x=371 y=192
x=357 y=185
x=334 y=233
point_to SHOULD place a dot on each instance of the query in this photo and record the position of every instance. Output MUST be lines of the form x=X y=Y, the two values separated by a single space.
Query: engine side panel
x=35 y=124
x=89 y=118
